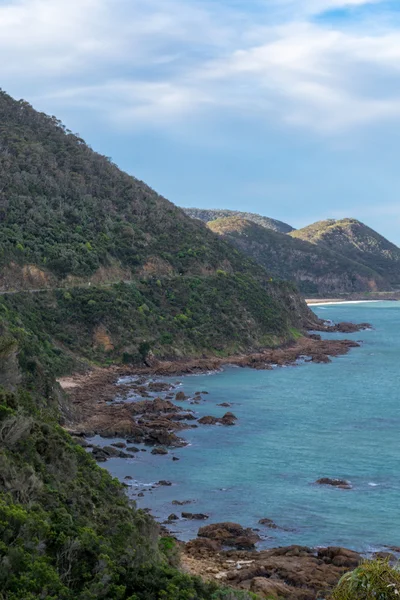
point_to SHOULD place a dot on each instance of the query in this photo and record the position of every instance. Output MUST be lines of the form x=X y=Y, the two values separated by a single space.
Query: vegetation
x=189 y=316
x=67 y=529
x=373 y=580
x=212 y=214
x=71 y=212
x=315 y=269
x=355 y=241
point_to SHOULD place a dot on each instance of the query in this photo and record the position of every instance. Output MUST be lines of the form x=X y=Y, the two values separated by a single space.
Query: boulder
x=230 y=534
x=340 y=557
x=180 y=396
x=173 y=517
x=181 y=502
x=164 y=482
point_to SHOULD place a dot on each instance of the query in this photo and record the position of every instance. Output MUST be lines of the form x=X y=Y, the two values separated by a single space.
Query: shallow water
x=295 y=425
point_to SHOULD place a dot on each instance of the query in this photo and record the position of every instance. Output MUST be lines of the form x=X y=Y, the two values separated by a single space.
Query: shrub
x=372 y=580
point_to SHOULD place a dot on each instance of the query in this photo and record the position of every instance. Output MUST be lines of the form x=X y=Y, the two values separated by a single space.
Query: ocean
x=295 y=425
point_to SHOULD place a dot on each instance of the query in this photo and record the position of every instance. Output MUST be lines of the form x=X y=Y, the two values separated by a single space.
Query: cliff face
x=315 y=269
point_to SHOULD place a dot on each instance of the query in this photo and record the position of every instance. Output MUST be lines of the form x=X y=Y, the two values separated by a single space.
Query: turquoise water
x=295 y=424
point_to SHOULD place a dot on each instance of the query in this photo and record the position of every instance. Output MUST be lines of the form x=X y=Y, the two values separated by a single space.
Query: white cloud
x=160 y=61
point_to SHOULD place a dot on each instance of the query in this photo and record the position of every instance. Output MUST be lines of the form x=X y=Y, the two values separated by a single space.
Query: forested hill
x=356 y=241
x=315 y=269
x=71 y=212
x=70 y=217
x=207 y=215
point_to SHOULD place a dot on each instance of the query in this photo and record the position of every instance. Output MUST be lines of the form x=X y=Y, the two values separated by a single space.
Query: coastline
x=299 y=572
x=323 y=301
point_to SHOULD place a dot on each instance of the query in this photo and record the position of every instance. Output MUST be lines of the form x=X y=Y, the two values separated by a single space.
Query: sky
x=287 y=108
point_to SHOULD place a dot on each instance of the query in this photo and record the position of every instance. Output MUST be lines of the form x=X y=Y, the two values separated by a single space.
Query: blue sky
x=289 y=108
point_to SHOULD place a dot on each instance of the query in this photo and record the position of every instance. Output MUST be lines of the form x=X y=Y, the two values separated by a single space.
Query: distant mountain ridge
x=211 y=214
x=316 y=270
x=327 y=257
x=356 y=241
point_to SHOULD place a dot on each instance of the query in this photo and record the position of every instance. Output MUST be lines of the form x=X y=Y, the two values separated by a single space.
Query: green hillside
x=208 y=215
x=315 y=269
x=356 y=241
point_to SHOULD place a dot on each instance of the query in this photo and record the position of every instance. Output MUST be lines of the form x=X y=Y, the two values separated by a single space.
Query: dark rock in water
x=132 y=449
x=143 y=450
x=163 y=437
x=164 y=482
x=140 y=495
x=268 y=523
x=225 y=404
x=228 y=419
x=205 y=392
x=230 y=534
x=119 y=445
x=339 y=483
x=128 y=477
x=173 y=518
x=175 y=458
x=159 y=450
x=181 y=502
x=195 y=516
x=180 y=396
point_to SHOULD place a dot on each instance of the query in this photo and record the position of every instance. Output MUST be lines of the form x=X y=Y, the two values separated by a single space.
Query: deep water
x=295 y=424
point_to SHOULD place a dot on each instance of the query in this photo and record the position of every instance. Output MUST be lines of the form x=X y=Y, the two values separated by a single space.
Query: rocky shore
x=134 y=405
x=292 y=572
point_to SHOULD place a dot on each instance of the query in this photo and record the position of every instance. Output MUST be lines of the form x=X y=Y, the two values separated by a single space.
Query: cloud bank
x=325 y=65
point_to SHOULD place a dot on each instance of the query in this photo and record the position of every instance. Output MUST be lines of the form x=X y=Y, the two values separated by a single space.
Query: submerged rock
x=339 y=483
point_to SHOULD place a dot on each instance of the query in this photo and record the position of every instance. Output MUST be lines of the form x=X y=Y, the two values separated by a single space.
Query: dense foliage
x=315 y=269
x=212 y=214
x=67 y=530
x=373 y=580
x=185 y=316
x=355 y=241
x=70 y=211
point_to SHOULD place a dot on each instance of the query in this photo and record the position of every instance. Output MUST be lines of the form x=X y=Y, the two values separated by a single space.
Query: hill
x=316 y=270
x=69 y=217
x=356 y=241
x=208 y=215
x=97 y=269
